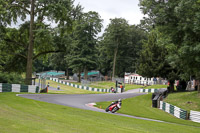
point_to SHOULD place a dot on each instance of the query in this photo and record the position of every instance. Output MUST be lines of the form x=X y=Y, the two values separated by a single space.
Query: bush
x=12 y=78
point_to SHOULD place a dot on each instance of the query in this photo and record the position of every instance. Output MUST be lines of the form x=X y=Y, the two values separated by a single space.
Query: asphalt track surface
x=83 y=101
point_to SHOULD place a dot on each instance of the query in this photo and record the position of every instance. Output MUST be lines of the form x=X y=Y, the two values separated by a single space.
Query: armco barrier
x=176 y=111
x=4 y=87
x=148 y=90
x=194 y=116
x=83 y=87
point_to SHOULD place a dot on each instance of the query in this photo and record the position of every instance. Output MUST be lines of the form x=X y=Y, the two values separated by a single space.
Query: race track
x=81 y=100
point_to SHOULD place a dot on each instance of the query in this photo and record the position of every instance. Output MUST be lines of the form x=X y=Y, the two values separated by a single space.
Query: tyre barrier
x=148 y=90
x=5 y=87
x=195 y=116
x=174 y=110
x=84 y=87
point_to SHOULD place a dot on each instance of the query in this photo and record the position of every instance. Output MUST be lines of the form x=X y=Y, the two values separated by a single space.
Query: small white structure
x=133 y=78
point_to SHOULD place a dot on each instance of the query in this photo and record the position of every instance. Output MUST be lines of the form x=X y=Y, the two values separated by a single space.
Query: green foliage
x=120 y=46
x=39 y=38
x=178 y=21
x=12 y=78
x=83 y=49
x=152 y=61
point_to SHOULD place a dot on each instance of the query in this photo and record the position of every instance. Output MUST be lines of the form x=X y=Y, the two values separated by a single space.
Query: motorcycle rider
x=113 y=90
x=118 y=102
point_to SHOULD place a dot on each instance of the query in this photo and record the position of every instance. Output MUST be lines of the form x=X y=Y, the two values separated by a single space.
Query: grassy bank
x=141 y=106
x=20 y=115
x=185 y=100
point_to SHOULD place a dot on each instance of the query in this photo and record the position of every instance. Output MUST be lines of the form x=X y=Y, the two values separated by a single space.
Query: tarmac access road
x=83 y=101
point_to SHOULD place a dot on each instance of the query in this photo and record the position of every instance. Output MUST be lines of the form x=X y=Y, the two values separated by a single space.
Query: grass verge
x=108 y=85
x=20 y=115
x=155 y=86
x=185 y=100
x=101 y=85
x=65 y=89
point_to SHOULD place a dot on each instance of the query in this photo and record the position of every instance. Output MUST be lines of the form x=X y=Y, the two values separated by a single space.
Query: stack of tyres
x=6 y=87
x=24 y=88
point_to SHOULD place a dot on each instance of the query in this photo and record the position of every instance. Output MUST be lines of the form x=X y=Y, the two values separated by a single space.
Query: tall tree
x=153 y=62
x=115 y=37
x=39 y=11
x=84 y=39
x=133 y=48
x=178 y=21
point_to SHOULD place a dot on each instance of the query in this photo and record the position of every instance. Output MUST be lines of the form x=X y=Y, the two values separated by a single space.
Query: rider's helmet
x=119 y=100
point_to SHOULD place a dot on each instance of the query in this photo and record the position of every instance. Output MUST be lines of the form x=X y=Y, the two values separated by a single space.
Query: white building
x=133 y=78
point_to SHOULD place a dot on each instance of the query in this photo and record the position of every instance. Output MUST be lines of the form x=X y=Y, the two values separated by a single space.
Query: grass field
x=108 y=85
x=185 y=100
x=68 y=89
x=20 y=115
x=101 y=85
x=141 y=106
x=155 y=86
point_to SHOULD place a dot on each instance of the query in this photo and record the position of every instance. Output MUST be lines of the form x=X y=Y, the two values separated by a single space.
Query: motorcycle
x=113 y=107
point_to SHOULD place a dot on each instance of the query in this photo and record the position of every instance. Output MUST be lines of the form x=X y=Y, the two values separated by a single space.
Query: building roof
x=90 y=73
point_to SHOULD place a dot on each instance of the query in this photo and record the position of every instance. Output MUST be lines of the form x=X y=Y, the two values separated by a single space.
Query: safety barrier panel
x=4 y=87
x=174 y=110
x=194 y=116
x=148 y=90
x=83 y=87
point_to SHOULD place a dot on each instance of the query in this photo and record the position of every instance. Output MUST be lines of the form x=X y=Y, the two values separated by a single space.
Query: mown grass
x=101 y=85
x=65 y=89
x=185 y=100
x=108 y=85
x=155 y=86
x=141 y=106
x=20 y=115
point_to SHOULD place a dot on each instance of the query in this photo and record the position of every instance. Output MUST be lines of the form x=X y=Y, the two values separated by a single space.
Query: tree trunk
x=114 y=62
x=67 y=73
x=85 y=73
x=115 y=58
x=30 y=47
x=79 y=76
x=171 y=86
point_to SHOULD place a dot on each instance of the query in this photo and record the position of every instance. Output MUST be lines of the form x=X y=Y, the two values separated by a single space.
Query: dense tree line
x=73 y=45
x=175 y=25
x=165 y=44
